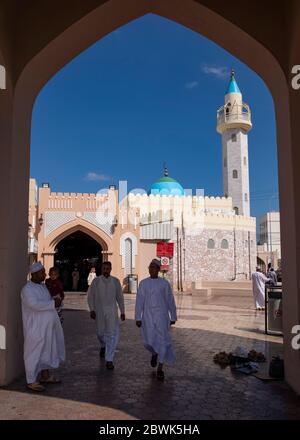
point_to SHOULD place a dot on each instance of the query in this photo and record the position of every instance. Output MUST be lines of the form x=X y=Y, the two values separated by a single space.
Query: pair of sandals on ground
x=159 y=373
x=45 y=378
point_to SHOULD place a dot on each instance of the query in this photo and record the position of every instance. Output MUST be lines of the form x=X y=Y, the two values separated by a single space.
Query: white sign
x=165 y=261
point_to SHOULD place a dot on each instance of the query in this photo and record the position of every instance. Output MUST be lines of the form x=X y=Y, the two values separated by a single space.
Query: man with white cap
x=155 y=311
x=44 y=345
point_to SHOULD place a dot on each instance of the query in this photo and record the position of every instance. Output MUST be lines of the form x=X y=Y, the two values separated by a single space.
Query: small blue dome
x=167 y=186
x=232 y=86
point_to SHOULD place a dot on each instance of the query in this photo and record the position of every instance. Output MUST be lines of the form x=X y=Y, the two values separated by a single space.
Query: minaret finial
x=165 y=170
x=232 y=73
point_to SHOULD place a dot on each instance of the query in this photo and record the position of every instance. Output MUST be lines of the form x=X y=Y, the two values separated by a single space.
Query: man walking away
x=258 y=287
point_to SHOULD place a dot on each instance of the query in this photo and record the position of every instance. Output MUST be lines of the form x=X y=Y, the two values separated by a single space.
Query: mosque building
x=197 y=237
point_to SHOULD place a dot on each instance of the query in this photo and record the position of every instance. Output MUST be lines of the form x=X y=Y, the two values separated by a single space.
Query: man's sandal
x=153 y=361
x=160 y=375
x=110 y=365
x=51 y=380
x=36 y=386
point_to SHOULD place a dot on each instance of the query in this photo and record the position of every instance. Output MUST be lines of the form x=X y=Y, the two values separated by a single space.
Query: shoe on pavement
x=160 y=375
x=154 y=360
x=110 y=365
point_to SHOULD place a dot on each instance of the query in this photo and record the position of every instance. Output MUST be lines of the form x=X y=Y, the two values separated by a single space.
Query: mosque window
x=224 y=244
x=246 y=197
x=234 y=174
x=245 y=160
x=210 y=244
x=225 y=162
x=236 y=210
x=233 y=137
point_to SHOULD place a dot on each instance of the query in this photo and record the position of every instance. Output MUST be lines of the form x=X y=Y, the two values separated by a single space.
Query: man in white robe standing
x=258 y=287
x=104 y=295
x=155 y=311
x=44 y=345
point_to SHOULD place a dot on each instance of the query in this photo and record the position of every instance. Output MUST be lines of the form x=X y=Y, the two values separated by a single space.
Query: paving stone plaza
x=194 y=388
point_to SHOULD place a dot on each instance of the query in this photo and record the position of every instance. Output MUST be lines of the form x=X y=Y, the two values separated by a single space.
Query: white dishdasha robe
x=104 y=297
x=258 y=287
x=44 y=345
x=155 y=307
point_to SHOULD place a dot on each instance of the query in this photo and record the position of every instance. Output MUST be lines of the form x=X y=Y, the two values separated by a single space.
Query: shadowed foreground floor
x=194 y=388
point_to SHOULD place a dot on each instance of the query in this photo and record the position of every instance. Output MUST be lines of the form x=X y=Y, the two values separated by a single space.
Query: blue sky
x=143 y=95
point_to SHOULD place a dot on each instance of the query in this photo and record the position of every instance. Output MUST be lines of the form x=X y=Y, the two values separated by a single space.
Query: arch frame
x=272 y=63
x=77 y=225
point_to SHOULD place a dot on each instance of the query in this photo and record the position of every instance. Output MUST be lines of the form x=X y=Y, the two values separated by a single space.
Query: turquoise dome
x=167 y=186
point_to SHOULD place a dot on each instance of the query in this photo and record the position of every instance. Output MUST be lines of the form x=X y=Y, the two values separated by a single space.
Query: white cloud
x=95 y=177
x=191 y=85
x=218 y=71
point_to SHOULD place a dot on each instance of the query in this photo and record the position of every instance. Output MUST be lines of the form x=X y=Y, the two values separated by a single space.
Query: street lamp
x=41 y=220
x=115 y=221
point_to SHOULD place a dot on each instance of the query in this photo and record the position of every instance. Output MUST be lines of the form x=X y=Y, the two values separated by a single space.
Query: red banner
x=165 y=249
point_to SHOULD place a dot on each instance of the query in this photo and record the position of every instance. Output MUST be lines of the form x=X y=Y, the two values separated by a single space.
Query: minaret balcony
x=237 y=117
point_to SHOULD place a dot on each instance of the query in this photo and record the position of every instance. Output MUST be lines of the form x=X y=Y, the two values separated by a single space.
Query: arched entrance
x=77 y=252
x=30 y=62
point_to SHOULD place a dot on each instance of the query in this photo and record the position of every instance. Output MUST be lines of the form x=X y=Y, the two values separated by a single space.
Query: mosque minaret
x=233 y=123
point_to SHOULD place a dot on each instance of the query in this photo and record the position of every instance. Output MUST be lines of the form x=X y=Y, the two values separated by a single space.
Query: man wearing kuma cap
x=44 y=345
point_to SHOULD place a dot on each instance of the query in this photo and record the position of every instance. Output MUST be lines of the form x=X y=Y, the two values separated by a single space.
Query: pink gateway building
x=214 y=237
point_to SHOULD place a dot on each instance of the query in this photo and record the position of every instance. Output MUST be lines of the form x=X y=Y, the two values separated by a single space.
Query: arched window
x=128 y=251
x=245 y=160
x=210 y=244
x=246 y=197
x=128 y=256
x=234 y=174
x=236 y=209
x=224 y=244
x=225 y=162
x=233 y=137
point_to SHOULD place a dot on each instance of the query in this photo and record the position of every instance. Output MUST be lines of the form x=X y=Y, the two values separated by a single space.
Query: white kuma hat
x=36 y=267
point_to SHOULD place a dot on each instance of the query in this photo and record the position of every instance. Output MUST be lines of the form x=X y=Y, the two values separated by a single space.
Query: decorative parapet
x=78 y=201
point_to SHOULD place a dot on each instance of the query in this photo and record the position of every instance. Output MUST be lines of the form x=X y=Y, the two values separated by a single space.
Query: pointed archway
x=75 y=255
